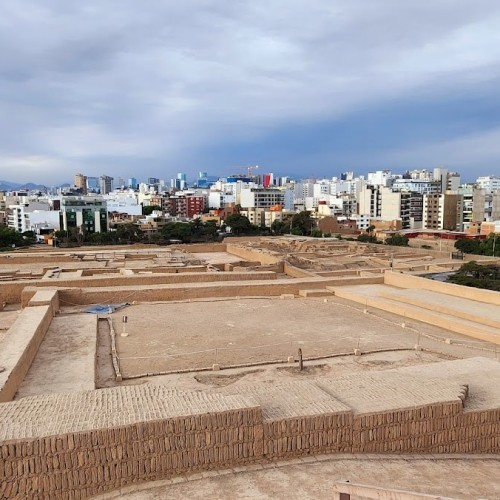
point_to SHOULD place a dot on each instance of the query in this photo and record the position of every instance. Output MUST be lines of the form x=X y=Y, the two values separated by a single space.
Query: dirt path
x=104 y=373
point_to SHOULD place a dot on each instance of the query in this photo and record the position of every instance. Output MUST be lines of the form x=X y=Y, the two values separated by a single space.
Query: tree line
x=488 y=246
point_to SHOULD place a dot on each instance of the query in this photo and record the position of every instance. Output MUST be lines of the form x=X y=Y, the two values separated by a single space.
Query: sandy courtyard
x=192 y=335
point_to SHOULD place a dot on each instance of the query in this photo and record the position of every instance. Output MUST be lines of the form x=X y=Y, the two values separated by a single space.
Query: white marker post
x=124 y=322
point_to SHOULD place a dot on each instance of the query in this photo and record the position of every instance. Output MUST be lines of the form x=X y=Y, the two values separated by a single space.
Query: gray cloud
x=117 y=84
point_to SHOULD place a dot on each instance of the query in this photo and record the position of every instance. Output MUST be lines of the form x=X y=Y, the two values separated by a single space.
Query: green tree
x=302 y=223
x=367 y=238
x=148 y=209
x=128 y=233
x=397 y=240
x=467 y=245
x=177 y=231
x=9 y=237
x=239 y=224
x=491 y=245
x=279 y=227
x=478 y=276
x=209 y=230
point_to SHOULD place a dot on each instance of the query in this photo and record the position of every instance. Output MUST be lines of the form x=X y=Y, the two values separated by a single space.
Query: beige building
x=262 y=216
x=443 y=211
x=81 y=183
x=485 y=205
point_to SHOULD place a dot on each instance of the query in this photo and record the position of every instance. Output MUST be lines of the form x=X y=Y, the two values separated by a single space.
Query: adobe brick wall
x=146 y=434
x=329 y=433
x=12 y=290
x=46 y=298
x=253 y=254
x=250 y=288
x=296 y=272
x=53 y=259
x=437 y=428
x=20 y=346
x=408 y=281
x=84 y=463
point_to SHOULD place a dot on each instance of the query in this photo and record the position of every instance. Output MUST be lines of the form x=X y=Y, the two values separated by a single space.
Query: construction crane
x=249 y=169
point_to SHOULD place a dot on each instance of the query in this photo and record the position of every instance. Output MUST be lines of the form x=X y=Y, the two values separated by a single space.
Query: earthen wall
x=81 y=464
x=82 y=296
x=12 y=291
x=253 y=254
x=78 y=465
x=408 y=281
x=20 y=346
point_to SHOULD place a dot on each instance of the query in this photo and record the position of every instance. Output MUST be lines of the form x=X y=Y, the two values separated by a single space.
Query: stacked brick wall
x=20 y=347
x=440 y=428
x=308 y=435
x=86 y=462
x=12 y=291
x=81 y=464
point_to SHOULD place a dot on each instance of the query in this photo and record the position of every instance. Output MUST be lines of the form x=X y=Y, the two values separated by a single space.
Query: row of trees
x=396 y=239
x=475 y=246
x=478 y=276
x=10 y=237
x=301 y=224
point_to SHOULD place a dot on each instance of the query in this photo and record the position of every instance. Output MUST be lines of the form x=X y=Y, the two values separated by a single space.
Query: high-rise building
x=179 y=182
x=450 y=181
x=132 y=183
x=81 y=183
x=105 y=184
x=92 y=184
x=267 y=180
x=485 y=205
x=443 y=211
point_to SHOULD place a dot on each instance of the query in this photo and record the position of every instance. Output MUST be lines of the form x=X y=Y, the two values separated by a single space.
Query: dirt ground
x=280 y=373
x=311 y=478
x=264 y=333
x=216 y=257
x=65 y=361
x=7 y=318
x=166 y=337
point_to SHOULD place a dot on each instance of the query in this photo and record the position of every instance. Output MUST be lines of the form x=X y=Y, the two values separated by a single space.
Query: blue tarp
x=105 y=308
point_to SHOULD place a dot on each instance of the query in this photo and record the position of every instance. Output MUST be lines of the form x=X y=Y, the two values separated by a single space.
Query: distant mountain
x=33 y=187
x=16 y=186
x=9 y=186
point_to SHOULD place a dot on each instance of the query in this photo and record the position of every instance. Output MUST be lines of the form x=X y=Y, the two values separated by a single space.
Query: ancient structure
x=61 y=441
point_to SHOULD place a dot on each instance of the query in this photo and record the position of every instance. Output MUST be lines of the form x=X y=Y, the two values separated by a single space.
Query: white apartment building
x=382 y=178
x=89 y=212
x=125 y=202
x=489 y=183
x=422 y=186
x=22 y=216
x=261 y=198
x=369 y=201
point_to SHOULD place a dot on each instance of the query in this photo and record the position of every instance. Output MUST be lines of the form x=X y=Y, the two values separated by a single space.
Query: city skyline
x=301 y=91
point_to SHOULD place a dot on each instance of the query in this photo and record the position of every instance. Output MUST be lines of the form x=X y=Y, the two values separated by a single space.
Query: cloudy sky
x=301 y=88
